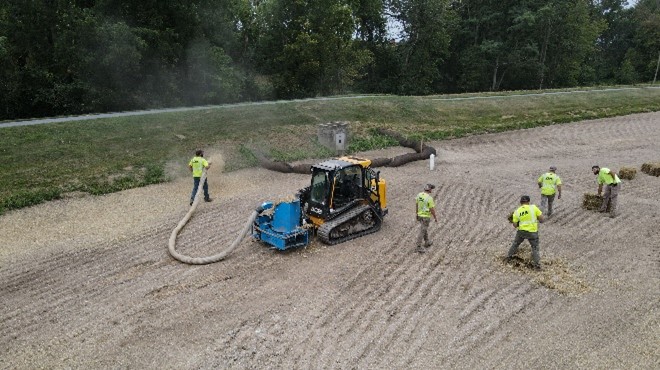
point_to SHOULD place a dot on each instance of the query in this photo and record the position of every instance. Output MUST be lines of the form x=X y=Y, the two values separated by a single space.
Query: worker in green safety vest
x=197 y=165
x=526 y=220
x=550 y=185
x=424 y=209
x=612 y=184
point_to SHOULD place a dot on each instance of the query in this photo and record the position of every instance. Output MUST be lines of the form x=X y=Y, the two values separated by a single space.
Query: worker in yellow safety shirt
x=612 y=187
x=424 y=209
x=197 y=166
x=526 y=220
x=550 y=184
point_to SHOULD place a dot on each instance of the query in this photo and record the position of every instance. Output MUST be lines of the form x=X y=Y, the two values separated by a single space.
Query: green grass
x=43 y=162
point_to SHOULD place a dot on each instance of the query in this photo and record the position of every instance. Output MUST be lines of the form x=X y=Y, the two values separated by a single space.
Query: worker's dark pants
x=610 y=196
x=205 y=187
x=546 y=203
x=533 y=238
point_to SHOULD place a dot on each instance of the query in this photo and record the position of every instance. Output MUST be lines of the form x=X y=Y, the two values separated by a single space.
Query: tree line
x=61 y=57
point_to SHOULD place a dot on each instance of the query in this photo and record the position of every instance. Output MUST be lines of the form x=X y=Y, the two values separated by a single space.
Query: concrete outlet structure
x=334 y=136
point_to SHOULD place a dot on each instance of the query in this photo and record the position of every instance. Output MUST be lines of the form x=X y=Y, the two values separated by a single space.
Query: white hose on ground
x=211 y=259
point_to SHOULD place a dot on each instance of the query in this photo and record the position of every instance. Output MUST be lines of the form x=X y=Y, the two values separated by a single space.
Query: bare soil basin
x=87 y=282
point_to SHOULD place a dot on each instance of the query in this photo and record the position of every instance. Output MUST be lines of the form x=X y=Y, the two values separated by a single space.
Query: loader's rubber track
x=338 y=230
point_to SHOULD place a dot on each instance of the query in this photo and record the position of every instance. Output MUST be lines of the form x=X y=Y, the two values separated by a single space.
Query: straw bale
x=592 y=202
x=652 y=168
x=627 y=173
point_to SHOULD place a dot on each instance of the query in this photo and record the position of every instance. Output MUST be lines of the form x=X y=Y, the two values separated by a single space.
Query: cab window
x=319 y=187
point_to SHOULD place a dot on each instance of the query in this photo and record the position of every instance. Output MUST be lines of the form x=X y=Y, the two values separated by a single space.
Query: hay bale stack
x=592 y=202
x=627 y=173
x=652 y=169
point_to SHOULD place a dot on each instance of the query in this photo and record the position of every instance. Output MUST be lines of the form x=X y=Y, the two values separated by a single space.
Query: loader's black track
x=329 y=232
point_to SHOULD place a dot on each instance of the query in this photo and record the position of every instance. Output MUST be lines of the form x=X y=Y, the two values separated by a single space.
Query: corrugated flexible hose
x=211 y=259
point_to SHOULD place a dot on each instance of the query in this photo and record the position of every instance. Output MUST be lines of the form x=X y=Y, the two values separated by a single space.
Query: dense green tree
x=78 y=56
x=523 y=44
x=646 y=39
x=373 y=34
x=480 y=44
x=616 y=38
x=424 y=43
x=307 y=47
x=183 y=59
x=568 y=33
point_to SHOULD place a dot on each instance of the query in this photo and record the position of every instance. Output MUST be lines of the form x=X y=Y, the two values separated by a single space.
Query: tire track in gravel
x=393 y=335
x=113 y=312
x=491 y=329
x=404 y=321
x=491 y=147
x=343 y=318
x=481 y=323
x=610 y=335
x=642 y=188
x=401 y=310
x=44 y=296
x=60 y=261
x=482 y=336
x=362 y=320
x=383 y=314
x=63 y=300
x=389 y=267
x=469 y=241
x=204 y=227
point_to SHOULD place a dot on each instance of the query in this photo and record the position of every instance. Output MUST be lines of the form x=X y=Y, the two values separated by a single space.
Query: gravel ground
x=87 y=281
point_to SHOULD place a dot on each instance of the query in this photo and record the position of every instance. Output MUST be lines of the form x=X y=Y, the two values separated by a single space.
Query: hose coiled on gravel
x=211 y=259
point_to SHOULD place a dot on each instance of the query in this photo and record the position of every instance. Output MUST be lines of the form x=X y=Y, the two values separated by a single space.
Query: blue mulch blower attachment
x=282 y=226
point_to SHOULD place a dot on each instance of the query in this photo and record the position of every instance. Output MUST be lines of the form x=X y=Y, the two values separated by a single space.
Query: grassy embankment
x=43 y=162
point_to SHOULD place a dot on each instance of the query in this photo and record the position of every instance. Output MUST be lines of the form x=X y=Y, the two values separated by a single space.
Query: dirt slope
x=87 y=282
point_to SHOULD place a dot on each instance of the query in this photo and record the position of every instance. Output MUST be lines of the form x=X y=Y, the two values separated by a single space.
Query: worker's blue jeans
x=205 y=187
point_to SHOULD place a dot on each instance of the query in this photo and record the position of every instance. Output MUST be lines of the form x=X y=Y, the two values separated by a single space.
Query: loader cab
x=334 y=184
x=338 y=184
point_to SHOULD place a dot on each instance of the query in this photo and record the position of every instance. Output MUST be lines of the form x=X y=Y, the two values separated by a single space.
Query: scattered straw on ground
x=627 y=173
x=555 y=273
x=652 y=168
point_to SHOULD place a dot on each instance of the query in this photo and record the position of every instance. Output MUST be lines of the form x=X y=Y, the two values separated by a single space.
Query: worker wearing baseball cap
x=424 y=209
x=526 y=220
x=550 y=184
x=612 y=188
